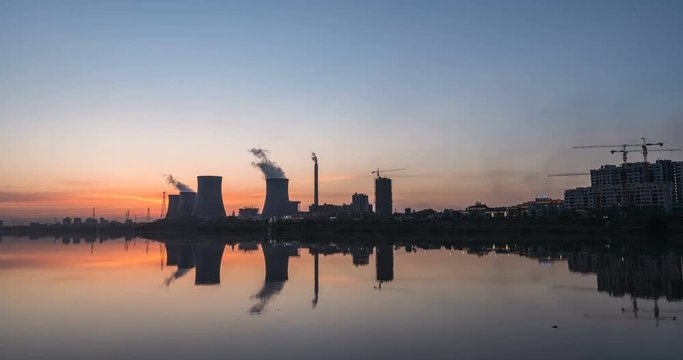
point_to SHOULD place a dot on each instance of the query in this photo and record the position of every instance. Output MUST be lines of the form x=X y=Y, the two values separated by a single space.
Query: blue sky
x=478 y=99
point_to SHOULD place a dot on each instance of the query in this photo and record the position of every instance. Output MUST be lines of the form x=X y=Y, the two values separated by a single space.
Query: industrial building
x=384 y=204
x=630 y=185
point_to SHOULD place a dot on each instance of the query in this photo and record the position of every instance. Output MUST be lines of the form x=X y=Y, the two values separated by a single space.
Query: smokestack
x=277 y=198
x=315 y=182
x=186 y=204
x=173 y=207
x=209 y=200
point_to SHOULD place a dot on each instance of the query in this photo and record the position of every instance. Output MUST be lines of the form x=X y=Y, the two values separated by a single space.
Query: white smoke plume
x=269 y=168
x=178 y=185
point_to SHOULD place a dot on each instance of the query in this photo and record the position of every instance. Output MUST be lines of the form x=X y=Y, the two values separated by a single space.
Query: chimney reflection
x=315 y=278
x=276 y=258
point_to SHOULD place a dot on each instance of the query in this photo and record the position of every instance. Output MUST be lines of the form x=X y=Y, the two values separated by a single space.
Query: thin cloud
x=19 y=197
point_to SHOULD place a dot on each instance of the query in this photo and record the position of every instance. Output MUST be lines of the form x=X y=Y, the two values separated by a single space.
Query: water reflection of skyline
x=471 y=291
x=618 y=273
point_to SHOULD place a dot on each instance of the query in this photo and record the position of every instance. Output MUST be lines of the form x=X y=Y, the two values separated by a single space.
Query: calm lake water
x=68 y=298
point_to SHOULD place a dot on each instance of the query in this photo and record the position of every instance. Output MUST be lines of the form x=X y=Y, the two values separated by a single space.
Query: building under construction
x=383 y=198
x=631 y=185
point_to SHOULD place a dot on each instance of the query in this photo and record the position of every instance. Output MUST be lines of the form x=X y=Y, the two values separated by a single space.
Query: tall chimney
x=173 y=207
x=315 y=183
x=277 y=198
x=209 y=201
x=186 y=204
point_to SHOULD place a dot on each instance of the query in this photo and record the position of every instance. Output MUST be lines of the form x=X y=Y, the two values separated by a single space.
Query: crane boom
x=624 y=152
x=569 y=174
x=379 y=171
x=605 y=146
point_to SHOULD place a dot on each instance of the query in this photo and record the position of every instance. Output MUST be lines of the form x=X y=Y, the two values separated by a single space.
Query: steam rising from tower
x=269 y=168
x=178 y=185
x=209 y=202
x=277 y=186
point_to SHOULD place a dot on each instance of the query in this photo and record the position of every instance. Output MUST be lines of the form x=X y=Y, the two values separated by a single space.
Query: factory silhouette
x=631 y=190
x=207 y=202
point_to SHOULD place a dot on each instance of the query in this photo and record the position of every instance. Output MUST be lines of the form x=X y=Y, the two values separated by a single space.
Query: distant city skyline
x=480 y=101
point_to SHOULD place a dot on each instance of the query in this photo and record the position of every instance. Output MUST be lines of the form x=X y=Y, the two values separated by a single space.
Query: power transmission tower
x=163 y=205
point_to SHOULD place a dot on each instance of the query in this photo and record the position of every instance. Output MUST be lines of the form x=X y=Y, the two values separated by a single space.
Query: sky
x=478 y=100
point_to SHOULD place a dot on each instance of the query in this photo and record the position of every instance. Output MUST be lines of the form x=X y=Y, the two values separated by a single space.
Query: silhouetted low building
x=248 y=213
x=333 y=210
x=360 y=203
x=541 y=207
x=478 y=209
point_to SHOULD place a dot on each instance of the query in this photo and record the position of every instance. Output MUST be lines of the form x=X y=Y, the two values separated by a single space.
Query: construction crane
x=643 y=148
x=624 y=152
x=378 y=171
x=570 y=174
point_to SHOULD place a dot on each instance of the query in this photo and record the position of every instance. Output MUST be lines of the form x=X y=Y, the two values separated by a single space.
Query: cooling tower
x=277 y=261
x=173 y=202
x=277 y=198
x=207 y=258
x=171 y=255
x=185 y=256
x=186 y=204
x=209 y=202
